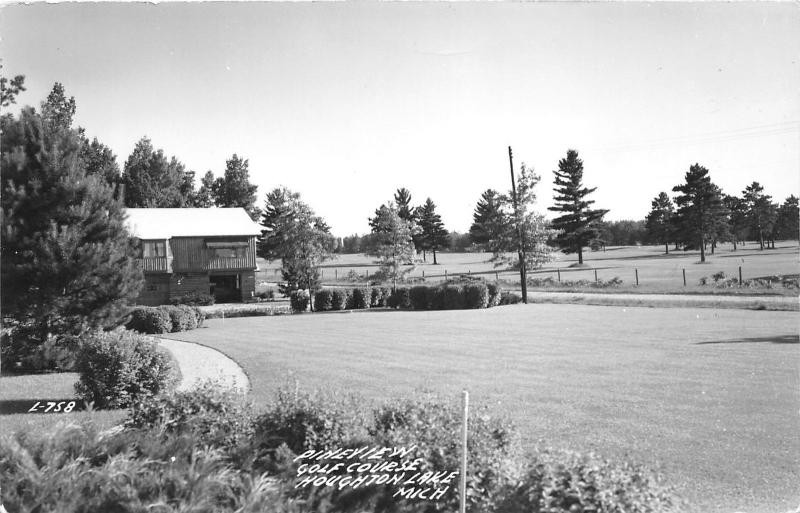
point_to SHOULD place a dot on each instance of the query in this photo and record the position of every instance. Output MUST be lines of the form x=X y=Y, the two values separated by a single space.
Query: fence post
x=463 y=494
x=445 y=274
x=423 y=273
x=637 y=277
x=684 y=277
x=496 y=276
x=595 y=275
x=336 y=274
x=559 y=275
x=740 y=275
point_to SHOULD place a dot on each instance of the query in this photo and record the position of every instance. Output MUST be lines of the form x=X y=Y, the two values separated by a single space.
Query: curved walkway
x=200 y=363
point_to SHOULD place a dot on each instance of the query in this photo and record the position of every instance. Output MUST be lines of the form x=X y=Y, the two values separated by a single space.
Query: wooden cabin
x=204 y=250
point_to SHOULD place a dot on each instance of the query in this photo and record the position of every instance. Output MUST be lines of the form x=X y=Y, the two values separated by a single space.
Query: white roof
x=164 y=223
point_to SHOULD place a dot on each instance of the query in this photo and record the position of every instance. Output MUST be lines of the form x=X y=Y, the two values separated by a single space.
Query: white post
x=465 y=401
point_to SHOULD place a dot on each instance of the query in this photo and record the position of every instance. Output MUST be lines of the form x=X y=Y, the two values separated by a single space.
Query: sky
x=345 y=102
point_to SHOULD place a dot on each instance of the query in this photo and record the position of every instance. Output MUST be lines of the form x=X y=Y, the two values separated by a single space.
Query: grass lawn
x=710 y=396
x=658 y=273
x=32 y=387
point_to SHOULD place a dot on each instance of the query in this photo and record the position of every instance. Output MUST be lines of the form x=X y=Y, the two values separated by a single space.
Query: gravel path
x=200 y=363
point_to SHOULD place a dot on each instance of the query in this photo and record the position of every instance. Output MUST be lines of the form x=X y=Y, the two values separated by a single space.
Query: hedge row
x=448 y=296
x=165 y=319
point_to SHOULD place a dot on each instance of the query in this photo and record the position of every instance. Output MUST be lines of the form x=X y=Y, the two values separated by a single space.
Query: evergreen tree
x=67 y=260
x=59 y=110
x=487 y=219
x=298 y=237
x=577 y=224
x=392 y=243
x=700 y=209
x=402 y=199
x=10 y=89
x=659 y=221
x=737 y=218
x=99 y=160
x=758 y=208
x=204 y=198
x=433 y=235
x=787 y=220
x=151 y=180
x=234 y=189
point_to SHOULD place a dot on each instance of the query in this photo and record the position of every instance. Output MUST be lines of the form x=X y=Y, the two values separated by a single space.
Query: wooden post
x=684 y=277
x=637 y=277
x=423 y=273
x=445 y=274
x=559 y=275
x=496 y=276
x=463 y=498
x=740 y=275
x=336 y=274
x=595 y=275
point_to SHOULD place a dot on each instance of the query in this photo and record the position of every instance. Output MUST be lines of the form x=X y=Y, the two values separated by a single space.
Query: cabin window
x=227 y=248
x=152 y=248
x=228 y=252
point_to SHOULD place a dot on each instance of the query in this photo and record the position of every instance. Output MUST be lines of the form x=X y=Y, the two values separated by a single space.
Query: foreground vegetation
x=208 y=450
x=706 y=394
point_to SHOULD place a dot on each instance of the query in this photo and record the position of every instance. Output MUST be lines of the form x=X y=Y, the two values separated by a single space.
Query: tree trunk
x=580 y=255
x=734 y=243
x=761 y=240
x=666 y=247
x=713 y=246
x=702 y=251
x=434 y=257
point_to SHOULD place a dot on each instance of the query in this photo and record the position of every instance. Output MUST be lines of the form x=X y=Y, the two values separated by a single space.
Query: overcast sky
x=345 y=102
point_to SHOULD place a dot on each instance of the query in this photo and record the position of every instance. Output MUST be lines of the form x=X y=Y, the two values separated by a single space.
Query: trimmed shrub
x=376 y=297
x=476 y=295
x=400 y=298
x=119 y=367
x=182 y=317
x=323 y=300
x=510 y=298
x=453 y=297
x=298 y=300
x=151 y=320
x=418 y=295
x=193 y=299
x=339 y=299
x=360 y=298
x=494 y=294
x=199 y=315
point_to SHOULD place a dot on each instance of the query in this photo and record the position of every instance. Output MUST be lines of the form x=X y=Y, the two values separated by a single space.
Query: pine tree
x=659 y=221
x=67 y=260
x=402 y=199
x=234 y=189
x=151 y=180
x=737 y=218
x=487 y=219
x=433 y=235
x=787 y=220
x=204 y=198
x=577 y=224
x=699 y=208
x=298 y=237
x=757 y=205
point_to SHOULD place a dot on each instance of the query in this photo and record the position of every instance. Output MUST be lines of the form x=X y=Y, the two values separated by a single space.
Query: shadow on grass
x=781 y=339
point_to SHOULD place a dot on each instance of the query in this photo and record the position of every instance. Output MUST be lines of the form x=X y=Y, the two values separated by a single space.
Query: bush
x=510 y=298
x=418 y=296
x=494 y=294
x=20 y=353
x=120 y=367
x=718 y=276
x=564 y=481
x=148 y=319
x=476 y=295
x=199 y=315
x=193 y=299
x=182 y=317
x=360 y=298
x=298 y=300
x=376 y=298
x=339 y=299
x=213 y=415
x=453 y=297
x=400 y=298
x=323 y=300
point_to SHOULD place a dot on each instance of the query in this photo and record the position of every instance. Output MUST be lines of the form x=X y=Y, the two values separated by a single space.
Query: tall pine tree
x=233 y=188
x=758 y=207
x=659 y=221
x=577 y=224
x=151 y=180
x=67 y=260
x=786 y=226
x=699 y=209
x=487 y=219
x=433 y=235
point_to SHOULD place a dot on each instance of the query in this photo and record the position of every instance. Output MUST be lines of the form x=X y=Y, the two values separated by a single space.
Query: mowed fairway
x=709 y=395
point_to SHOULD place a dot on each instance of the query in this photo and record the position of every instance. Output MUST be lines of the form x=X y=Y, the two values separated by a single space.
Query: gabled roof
x=164 y=223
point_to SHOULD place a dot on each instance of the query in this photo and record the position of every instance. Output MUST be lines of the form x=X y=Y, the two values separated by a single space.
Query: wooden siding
x=153 y=264
x=155 y=290
x=180 y=284
x=189 y=254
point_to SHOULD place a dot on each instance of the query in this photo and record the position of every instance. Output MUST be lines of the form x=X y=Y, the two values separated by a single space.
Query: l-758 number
x=52 y=407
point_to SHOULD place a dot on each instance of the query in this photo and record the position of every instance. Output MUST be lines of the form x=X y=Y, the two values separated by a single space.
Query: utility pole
x=520 y=232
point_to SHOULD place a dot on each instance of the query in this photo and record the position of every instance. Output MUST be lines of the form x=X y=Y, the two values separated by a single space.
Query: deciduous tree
x=392 y=243
x=10 y=89
x=576 y=225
